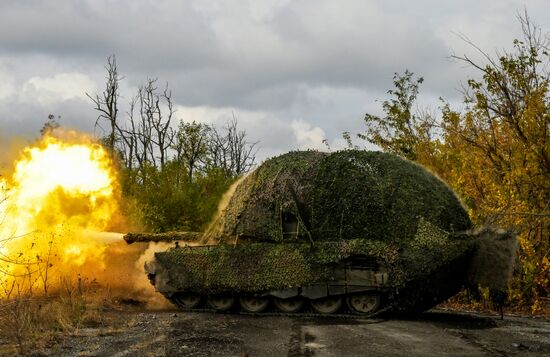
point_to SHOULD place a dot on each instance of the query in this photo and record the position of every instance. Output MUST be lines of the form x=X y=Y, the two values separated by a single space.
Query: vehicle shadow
x=458 y=320
x=441 y=319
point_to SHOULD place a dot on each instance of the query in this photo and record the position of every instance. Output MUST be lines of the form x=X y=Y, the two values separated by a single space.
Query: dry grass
x=29 y=322
x=16 y=322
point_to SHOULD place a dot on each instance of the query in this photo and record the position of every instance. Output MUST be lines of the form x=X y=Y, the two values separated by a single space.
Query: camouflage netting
x=327 y=208
x=256 y=267
x=281 y=184
x=345 y=195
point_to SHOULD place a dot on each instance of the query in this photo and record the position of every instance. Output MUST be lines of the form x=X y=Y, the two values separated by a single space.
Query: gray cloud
x=319 y=63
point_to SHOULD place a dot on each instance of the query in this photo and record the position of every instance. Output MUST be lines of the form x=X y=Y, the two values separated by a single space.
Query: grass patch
x=31 y=322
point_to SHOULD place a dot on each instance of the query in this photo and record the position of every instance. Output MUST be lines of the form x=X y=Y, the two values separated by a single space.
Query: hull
x=366 y=230
x=411 y=279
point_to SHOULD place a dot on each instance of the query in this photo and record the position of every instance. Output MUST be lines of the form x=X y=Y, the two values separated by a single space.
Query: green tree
x=191 y=146
x=402 y=127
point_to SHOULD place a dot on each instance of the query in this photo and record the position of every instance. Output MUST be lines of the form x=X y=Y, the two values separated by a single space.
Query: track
x=271 y=311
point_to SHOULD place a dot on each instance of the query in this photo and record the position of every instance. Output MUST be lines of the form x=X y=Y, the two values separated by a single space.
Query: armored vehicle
x=347 y=232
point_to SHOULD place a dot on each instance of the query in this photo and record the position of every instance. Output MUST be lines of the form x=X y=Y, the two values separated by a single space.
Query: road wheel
x=364 y=304
x=327 y=305
x=290 y=305
x=187 y=300
x=254 y=303
x=221 y=302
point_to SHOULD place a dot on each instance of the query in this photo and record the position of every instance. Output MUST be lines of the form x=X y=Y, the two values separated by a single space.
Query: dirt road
x=436 y=333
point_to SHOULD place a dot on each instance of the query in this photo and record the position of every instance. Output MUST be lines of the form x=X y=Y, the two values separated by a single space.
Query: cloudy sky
x=293 y=72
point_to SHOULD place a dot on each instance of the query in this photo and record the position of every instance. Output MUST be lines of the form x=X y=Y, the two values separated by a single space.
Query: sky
x=293 y=72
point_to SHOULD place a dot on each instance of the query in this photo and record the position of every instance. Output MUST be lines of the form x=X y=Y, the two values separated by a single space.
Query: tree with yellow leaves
x=495 y=153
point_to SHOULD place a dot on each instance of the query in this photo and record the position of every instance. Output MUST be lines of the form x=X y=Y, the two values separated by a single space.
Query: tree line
x=173 y=172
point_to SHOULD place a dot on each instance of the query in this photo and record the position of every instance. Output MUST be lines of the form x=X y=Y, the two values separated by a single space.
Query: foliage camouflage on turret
x=375 y=195
x=349 y=194
x=280 y=184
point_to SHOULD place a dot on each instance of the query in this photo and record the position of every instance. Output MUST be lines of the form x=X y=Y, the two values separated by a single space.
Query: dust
x=10 y=150
x=62 y=198
x=154 y=300
x=120 y=274
x=215 y=227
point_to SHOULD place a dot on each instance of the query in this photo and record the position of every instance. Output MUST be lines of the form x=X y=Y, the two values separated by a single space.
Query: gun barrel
x=162 y=237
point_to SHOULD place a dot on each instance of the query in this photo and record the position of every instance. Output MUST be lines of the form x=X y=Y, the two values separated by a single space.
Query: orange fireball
x=59 y=194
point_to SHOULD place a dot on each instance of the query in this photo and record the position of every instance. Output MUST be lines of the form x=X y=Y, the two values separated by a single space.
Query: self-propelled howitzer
x=351 y=232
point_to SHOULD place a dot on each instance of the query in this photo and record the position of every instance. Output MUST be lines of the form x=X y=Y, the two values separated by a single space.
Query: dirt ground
x=175 y=333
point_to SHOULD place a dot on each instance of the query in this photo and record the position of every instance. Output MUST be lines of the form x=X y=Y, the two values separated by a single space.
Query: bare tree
x=106 y=103
x=145 y=138
x=128 y=142
x=155 y=134
x=163 y=133
x=231 y=151
x=146 y=101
